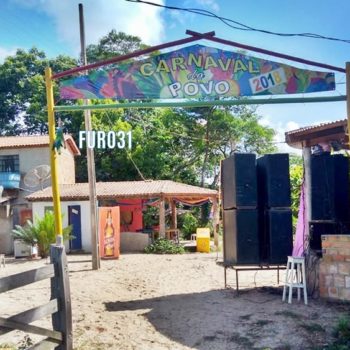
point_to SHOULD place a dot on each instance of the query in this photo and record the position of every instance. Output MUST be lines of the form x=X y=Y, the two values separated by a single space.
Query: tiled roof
x=312 y=135
x=318 y=127
x=125 y=189
x=7 y=142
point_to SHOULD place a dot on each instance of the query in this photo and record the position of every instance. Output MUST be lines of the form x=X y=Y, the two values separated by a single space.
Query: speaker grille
x=241 y=238
x=238 y=181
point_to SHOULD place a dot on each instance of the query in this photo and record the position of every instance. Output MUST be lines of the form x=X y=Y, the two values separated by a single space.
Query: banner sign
x=109 y=232
x=196 y=72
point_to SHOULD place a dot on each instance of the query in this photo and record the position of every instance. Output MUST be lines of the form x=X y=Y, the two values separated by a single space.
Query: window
x=9 y=164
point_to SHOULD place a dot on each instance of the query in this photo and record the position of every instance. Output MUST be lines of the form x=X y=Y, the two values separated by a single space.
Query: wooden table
x=173 y=234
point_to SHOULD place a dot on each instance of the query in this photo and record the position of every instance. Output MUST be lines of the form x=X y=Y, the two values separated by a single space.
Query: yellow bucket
x=203 y=240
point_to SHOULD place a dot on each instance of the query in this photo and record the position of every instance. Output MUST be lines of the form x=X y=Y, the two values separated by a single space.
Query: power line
x=238 y=25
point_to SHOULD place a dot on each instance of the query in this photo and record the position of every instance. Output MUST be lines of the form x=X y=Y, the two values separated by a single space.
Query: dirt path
x=175 y=302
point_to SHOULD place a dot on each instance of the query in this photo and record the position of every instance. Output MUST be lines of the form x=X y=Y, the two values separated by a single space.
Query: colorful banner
x=109 y=232
x=196 y=72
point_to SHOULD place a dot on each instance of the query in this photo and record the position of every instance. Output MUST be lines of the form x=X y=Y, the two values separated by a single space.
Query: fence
x=59 y=307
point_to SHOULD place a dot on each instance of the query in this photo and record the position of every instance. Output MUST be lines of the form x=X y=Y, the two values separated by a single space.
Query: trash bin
x=203 y=240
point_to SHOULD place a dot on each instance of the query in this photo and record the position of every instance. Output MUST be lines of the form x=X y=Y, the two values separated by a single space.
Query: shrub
x=164 y=246
x=189 y=226
x=42 y=233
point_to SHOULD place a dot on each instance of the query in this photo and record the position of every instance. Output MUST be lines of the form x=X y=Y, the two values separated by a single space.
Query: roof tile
x=124 y=189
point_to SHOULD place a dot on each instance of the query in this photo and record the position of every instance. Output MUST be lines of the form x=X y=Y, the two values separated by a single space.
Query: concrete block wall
x=334 y=268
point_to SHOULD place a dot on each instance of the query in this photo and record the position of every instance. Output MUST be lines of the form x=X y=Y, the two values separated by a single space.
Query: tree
x=23 y=93
x=113 y=44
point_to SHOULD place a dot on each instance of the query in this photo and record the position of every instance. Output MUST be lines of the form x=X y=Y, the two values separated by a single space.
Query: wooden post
x=60 y=290
x=162 y=218
x=307 y=189
x=348 y=97
x=173 y=214
x=215 y=222
x=53 y=156
x=90 y=159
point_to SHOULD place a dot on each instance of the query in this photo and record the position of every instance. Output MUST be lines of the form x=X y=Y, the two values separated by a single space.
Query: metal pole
x=53 y=156
x=90 y=159
x=193 y=104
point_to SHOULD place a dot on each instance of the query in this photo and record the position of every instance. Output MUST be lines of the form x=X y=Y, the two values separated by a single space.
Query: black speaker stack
x=256 y=209
x=330 y=197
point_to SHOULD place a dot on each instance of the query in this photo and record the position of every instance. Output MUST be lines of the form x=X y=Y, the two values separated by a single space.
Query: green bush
x=342 y=333
x=42 y=233
x=189 y=226
x=164 y=246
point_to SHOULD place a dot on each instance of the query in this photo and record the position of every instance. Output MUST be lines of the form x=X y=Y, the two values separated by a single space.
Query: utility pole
x=90 y=157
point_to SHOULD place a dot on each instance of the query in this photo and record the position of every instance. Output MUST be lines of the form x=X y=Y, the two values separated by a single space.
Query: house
x=131 y=196
x=19 y=157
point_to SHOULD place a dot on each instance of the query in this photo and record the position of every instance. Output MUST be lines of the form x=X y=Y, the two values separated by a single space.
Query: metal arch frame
x=194 y=36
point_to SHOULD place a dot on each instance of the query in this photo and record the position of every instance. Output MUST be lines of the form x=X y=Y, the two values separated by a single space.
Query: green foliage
x=150 y=217
x=342 y=331
x=164 y=246
x=113 y=44
x=296 y=180
x=23 y=93
x=189 y=226
x=42 y=233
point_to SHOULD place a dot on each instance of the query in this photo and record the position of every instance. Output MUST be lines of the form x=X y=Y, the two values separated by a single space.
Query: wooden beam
x=29 y=328
x=27 y=277
x=173 y=214
x=215 y=223
x=32 y=315
x=162 y=218
x=62 y=320
x=45 y=344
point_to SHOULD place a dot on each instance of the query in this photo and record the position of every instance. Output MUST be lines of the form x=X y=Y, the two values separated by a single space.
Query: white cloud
x=210 y=4
x=5 y=52
x=280 y=129
x=101 y=16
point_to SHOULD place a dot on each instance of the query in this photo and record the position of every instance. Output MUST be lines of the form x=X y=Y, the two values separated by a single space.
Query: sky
x=53 y=26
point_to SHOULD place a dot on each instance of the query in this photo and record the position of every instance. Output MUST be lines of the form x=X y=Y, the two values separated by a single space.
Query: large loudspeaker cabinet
x=276 y=235
x=273 y=180
x=238 y=181
x=322 y=187
x=330 y=187
x=241 y=238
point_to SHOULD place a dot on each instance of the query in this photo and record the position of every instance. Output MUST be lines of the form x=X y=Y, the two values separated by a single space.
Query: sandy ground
x=174 y=302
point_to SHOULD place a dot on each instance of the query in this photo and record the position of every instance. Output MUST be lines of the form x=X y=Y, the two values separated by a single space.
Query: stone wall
x=334 y=268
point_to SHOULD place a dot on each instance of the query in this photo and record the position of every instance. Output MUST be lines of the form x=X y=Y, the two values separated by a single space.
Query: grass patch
x=312 y=327
x=341 y=333
x=238 y=339
x=7 y=346
x=290 y=314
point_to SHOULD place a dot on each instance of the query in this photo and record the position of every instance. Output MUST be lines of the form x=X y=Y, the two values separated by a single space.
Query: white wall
x=39 y=209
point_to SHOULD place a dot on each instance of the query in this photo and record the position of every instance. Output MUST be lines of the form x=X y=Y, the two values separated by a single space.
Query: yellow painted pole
x=348 y=97
x=53 y=157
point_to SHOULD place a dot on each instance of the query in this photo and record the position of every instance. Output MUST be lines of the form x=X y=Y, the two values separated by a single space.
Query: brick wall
x=334 y=267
